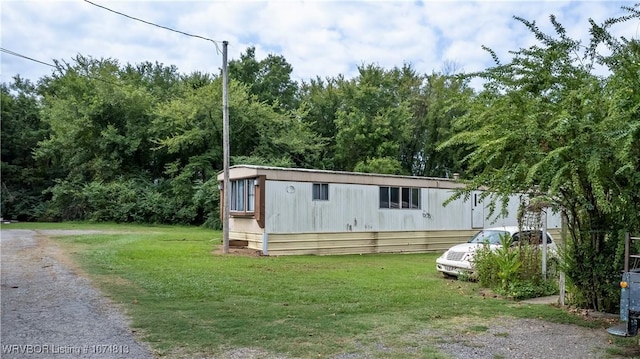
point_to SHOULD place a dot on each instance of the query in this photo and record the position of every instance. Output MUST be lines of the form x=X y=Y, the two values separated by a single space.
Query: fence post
x=561 y=285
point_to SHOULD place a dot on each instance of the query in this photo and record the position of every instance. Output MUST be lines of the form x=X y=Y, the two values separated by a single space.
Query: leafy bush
x=486 y=267
x=593 y=273
x=507 y=262
x=524 y=289
x=207 y=201
x=131 y=200
x=515 y=272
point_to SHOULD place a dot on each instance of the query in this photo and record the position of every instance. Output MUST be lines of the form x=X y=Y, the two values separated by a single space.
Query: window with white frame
x=243 y=195
x=400 y=197
x=320 y=192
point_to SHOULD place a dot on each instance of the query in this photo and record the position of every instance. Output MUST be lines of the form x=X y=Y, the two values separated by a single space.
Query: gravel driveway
x=49 y=311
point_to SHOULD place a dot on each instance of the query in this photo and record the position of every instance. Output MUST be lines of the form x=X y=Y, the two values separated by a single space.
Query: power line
x=26 y=57
x=54 y=66
x=215 y=42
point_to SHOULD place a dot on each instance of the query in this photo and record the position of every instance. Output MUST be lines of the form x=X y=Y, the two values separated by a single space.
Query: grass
x=625 y=347
x=184 y=298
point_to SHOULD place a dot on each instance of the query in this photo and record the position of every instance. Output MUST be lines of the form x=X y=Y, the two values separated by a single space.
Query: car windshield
x=488 y=236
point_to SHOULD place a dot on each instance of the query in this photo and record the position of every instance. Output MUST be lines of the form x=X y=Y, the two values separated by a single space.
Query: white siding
x=456 y=215
x=289 y=208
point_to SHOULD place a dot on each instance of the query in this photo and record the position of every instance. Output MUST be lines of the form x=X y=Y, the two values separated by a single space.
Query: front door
x=477 y=210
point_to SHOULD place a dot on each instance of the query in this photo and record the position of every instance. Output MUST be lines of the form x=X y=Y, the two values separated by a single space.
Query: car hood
x=469 y=247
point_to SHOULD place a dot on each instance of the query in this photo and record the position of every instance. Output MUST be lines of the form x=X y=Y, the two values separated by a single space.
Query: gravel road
x=525 y=339
x=50 y=311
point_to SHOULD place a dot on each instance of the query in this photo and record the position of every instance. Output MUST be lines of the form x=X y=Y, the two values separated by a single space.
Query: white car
x=459 y=259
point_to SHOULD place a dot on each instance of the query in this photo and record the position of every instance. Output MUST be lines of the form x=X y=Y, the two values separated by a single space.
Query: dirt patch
x=239 y=251
x=46 y=247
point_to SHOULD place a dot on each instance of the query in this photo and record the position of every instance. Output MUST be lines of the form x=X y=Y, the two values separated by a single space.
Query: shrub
x=593 y=273
x=524 y=289
x=507 y=262
x=485 y=267
x=515 y=272
x=127 y=200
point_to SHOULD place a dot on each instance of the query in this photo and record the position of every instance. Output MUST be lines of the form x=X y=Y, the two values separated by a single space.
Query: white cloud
x=318 y=38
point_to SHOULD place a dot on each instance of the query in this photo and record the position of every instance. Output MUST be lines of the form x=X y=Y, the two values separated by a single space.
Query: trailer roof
x=315 y=175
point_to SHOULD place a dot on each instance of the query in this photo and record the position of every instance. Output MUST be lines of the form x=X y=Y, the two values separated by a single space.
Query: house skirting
x=364 y=242
x=276 y=244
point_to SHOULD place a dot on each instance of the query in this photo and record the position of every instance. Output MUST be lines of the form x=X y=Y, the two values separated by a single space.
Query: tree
x=100 y=142
x=23 y=177
x=99 y=122
x=191 y=127
x=268 y=79
x=545 y=121
x=319 y=102
x=442 y=99
x=374 y=119
x=387 y=120
x=623 y=115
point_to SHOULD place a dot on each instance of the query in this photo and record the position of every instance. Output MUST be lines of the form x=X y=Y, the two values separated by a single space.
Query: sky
x=318 y=38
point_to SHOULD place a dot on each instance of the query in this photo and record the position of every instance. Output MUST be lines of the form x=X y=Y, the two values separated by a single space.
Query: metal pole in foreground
x=226 y=187
x=544 y=245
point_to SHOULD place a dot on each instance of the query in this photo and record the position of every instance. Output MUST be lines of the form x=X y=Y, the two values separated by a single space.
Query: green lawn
x=184 y=298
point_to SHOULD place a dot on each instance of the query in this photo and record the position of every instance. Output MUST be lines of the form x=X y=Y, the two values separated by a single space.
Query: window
x=243 y=195
x=400 y=197
x=320 y=191
x=251 y=195
x=530 y=237
x=395 y=197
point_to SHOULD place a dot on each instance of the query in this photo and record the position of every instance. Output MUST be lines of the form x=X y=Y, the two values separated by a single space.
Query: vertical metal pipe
x=627 y=249
x=225 y=144
x=544 y=244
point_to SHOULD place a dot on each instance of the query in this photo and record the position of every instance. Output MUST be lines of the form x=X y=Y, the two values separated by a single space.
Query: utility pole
x=226 y=187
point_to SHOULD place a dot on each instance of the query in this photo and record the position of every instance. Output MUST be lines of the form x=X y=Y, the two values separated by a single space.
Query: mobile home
x=288 y=211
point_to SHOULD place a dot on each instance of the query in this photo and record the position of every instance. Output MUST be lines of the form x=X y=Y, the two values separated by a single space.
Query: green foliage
x=394 y=114
x=122 y=200
x=67 y=202
x=23 y=177
x=514 y=271
x=525 y=289
x=98 y=126
x=262 y=161
x=99 y=122
x=384 y=165
x=593 y=266
x=507 y=262
x=374 y=120
x=485 y=266
x=269 y=80
x=207 y=201
x=140 y=143
x=320 y=101
x=545 y=120
x=442 y=99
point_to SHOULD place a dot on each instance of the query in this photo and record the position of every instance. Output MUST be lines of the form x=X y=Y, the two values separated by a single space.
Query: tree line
x=103 y=141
